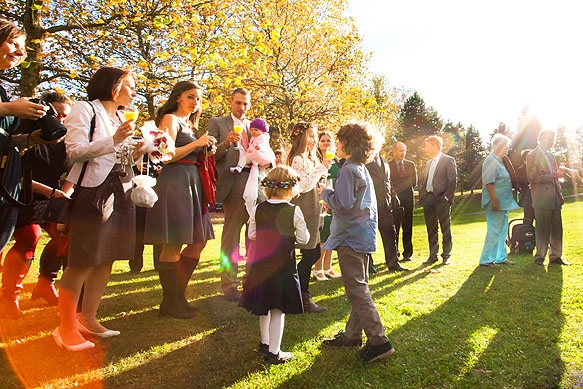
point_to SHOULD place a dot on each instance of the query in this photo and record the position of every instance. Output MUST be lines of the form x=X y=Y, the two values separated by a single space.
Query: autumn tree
x=300 y=59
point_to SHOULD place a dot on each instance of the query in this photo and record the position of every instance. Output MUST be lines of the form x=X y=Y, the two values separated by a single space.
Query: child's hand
x=320 y=188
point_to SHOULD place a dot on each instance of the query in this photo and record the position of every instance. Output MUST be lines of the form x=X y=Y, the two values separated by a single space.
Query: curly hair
x=360 y=140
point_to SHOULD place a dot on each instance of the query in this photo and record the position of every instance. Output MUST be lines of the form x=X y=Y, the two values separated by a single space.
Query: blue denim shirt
x=494 y=172
x=354 y=209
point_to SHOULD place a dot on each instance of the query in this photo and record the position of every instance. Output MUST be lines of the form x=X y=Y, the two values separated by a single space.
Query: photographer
x=48 y=163
x=12 y=53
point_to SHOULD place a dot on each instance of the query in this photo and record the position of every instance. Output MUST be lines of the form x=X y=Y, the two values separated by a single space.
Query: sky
x=480 y=62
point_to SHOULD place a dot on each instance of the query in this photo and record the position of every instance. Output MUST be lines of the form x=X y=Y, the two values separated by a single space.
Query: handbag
x=13 y=176
x=208 y=178
x=52 y=210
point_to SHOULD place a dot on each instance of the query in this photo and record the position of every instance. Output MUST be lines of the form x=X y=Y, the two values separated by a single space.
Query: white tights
x=271 y=328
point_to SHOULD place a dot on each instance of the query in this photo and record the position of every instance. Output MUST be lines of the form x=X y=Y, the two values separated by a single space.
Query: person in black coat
x=379 y=171
x=403 y=180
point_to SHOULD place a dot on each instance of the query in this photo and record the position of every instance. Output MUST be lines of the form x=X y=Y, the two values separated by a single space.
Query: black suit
x=403 y=183
x=379 y=171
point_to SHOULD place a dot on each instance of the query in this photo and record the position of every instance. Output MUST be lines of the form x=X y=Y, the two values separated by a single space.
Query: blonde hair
x=281 y=181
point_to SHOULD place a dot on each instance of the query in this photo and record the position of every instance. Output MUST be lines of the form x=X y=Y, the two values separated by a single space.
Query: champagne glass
x=238 y=128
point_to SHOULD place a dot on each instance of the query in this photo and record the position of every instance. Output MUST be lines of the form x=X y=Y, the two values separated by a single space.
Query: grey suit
x=437 y=205
x=230 y=187
x=547 y=201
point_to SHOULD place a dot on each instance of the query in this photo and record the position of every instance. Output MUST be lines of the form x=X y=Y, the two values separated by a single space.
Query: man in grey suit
x=230 y=186
x=436 y=194
x=543 y=174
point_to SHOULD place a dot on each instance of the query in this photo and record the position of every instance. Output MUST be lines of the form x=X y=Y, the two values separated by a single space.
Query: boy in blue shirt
x=353 y=235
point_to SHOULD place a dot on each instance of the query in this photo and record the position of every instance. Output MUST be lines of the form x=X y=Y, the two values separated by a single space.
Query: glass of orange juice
x=238 y=128
x=330 y=152
x=131 y=113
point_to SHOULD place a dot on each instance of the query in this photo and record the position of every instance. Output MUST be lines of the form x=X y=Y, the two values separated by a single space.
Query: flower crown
x=290 y=183
x=299 y=129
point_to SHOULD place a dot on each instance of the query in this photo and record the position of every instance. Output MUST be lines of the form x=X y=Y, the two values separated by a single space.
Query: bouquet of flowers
x=157 y=143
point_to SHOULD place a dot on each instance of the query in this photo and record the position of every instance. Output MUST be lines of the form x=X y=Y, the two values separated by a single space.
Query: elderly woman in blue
x=497 y=200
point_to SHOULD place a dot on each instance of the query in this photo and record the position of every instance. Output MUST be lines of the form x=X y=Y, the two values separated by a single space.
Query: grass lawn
x=460 y=326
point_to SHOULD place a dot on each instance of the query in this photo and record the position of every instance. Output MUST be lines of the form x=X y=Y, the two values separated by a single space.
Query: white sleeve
x=308 y=179
x=301 y=230
x=252 y=230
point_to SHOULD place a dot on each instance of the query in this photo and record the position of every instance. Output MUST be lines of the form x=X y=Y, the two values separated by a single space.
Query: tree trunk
x=31 y=75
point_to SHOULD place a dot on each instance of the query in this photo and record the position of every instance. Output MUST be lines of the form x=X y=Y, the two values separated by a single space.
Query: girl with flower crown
x=272 y=287
x=303 y=158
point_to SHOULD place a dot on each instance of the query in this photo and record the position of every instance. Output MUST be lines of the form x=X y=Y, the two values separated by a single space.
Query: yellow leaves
x=73 y=73
x=35 y=41
x=94 y=58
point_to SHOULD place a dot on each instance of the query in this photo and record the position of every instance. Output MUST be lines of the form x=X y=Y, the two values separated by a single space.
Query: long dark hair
x=171 y=105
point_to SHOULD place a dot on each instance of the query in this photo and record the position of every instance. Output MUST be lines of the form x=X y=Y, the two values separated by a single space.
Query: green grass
x=461 y=326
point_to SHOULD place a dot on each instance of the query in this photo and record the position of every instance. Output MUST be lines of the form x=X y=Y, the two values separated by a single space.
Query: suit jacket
x=380 y=171
x=404 y=185
x=544 y=187
x=444 y=179
x=226 y=156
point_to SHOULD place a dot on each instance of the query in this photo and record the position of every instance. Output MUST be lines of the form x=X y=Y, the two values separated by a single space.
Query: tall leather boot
x=186 y=267
x=49 y=265
x=45 y=289
x=171 y=289
x=15 y=269
x=309 y=305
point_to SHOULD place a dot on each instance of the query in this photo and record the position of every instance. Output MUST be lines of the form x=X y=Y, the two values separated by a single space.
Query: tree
x=417 y=122
x=469 y=160
x=300 y=59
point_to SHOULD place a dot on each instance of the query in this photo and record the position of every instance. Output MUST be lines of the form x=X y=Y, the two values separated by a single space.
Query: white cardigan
x=100 y=152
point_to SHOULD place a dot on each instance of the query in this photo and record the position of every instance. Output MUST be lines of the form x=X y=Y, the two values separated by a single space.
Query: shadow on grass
x=494 y=321
x=492 y=327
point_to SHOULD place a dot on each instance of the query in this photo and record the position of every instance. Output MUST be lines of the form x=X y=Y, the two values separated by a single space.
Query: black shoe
x=370 y=353
x=279 y=358
x=406 y=259
x=559 y=261
x=430 y=261
x=263 y=349
x=540 y=262
x=446 y=261
x=340 y=340
x=397 y=267
x=232 y=294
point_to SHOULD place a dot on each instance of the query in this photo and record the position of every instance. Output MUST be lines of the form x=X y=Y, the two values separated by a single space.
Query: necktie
x=244 y=137
x=401 y=169
x=430 y=171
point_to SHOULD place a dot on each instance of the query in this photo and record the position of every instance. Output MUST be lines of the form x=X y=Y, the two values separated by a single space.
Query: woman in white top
x=303 y=158
x=102 y=218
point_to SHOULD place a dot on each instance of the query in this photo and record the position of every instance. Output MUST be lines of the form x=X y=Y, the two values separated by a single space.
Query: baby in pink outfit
x=258 y=152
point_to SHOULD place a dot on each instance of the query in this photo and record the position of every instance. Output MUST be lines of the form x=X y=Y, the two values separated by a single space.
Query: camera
x=50 y=126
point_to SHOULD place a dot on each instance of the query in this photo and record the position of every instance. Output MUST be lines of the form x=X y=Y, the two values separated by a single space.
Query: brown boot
x=45 y=289
x=15 y=269
x=309 y=305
